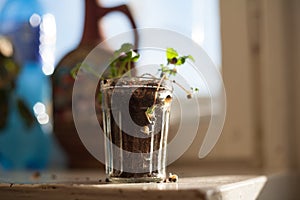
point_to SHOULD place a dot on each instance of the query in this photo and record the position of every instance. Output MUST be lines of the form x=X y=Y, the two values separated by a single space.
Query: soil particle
x=36 y=175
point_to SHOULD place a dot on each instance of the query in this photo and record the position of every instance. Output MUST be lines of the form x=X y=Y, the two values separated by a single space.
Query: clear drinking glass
x=136 y=114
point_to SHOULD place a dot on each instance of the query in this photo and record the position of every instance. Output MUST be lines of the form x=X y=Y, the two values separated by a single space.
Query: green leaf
x=164 y=68
x=150 y=113
x=126 y=47
x=122 y=60
x=150 y=110
x=171 y=53
x=180 y=61
x=173 y=71
x=113 y=71
x=195 y=89
x=24 y=111
x=135 y=56
x=191 y=58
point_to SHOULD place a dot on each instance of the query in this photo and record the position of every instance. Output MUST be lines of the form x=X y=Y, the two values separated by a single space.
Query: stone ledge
x=86 y=185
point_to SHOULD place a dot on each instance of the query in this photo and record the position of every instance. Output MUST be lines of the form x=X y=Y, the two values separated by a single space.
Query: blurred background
x=254 y=43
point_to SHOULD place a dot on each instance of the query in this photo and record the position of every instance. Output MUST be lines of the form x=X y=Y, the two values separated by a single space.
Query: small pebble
x=173 y=178
x=145 y=129
x=189 y=96
x=53 y=176
x=36 y=175
x=168 y=99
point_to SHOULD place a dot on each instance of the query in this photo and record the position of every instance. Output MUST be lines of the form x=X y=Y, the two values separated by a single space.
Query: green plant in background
x=120 y=63
x=9 y=71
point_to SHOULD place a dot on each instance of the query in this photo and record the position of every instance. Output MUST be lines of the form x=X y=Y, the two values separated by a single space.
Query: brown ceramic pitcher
x=62 y=83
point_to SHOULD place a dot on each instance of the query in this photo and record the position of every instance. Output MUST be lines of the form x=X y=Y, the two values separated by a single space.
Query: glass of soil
x=136 y=113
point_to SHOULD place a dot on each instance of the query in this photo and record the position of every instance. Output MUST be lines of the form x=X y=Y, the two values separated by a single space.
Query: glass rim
x=111 y=83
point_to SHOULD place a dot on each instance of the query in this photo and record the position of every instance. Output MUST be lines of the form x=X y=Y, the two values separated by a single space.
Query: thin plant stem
x=183 y=88
x=158 y=86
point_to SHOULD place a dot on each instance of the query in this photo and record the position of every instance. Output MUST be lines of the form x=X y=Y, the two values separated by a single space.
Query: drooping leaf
x=25 y=113
x=182 y=60
x=3 y=108
x=191 y=58
x=150 y=113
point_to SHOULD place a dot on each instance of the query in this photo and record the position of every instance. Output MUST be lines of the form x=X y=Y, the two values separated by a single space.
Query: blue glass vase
x=23 y=145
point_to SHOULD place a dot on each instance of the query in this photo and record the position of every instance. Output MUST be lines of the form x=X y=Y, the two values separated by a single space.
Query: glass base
x=137 y=180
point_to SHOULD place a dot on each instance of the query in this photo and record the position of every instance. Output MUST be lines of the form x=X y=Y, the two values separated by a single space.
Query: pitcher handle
x=125 y=10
